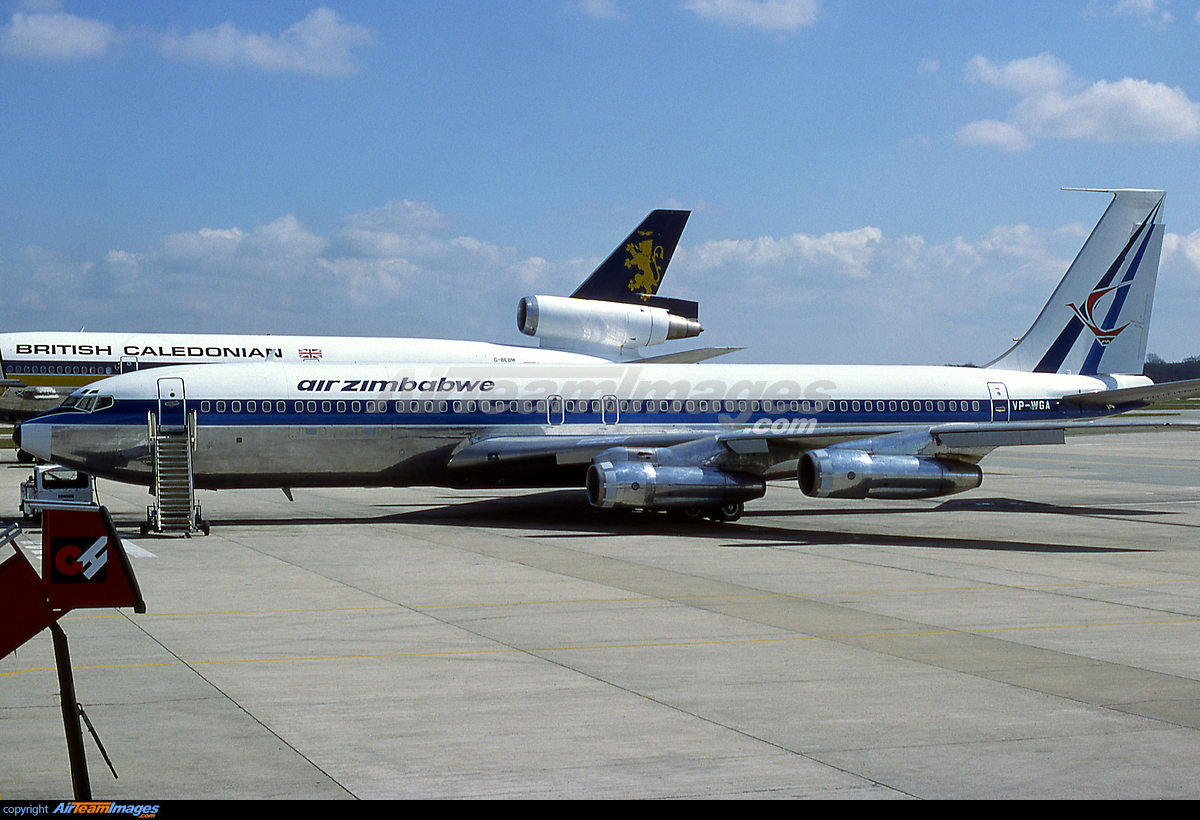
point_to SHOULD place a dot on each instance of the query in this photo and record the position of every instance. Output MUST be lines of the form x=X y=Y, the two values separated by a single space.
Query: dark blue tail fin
x=634 y=271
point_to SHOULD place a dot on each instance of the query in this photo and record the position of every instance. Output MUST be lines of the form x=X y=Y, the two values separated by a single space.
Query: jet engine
x=565 y=321
x=837 y=473
x=640 y=485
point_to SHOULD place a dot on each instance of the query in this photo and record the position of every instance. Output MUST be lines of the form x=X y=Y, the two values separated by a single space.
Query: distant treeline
x=1160 y=371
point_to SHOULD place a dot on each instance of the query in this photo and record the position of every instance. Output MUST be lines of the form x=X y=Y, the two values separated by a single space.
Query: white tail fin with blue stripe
x=1099 y=316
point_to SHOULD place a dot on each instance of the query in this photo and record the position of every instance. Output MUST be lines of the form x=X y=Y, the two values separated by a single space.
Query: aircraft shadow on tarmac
x=565 y=513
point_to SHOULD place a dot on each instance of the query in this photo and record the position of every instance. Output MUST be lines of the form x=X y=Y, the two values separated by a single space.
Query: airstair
x=175 y=509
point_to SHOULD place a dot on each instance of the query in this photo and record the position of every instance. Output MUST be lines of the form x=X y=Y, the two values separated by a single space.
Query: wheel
x=729 y=512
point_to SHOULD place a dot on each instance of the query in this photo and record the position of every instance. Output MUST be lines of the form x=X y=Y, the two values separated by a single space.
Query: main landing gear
x=722 y=513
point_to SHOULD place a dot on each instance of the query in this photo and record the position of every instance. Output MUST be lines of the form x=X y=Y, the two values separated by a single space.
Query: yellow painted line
x=634 y=598
x=596 y=647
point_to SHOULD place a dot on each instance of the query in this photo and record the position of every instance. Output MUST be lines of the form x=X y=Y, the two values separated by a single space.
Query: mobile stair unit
x=172 y=441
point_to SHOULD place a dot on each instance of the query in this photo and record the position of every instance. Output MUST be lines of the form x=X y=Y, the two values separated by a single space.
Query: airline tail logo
x=1086 y=314
x=76 y=561
x=647 y=258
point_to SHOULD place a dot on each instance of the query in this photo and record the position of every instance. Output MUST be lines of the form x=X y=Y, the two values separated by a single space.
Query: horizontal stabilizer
x=1149 y=394
x=700 y=354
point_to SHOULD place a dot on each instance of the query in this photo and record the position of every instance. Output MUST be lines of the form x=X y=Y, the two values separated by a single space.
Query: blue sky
x=869 y=181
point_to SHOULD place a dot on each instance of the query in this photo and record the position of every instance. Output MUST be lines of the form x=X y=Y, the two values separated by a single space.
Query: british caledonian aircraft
x=610 y=317
x=701 y=439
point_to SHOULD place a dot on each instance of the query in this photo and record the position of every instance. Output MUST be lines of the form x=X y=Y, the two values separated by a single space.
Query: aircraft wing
x=755 y=452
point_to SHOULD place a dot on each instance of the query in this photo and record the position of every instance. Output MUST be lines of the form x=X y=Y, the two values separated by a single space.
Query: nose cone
x=34 y=438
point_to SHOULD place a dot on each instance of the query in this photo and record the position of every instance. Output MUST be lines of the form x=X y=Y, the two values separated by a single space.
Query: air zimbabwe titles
x=442 y=385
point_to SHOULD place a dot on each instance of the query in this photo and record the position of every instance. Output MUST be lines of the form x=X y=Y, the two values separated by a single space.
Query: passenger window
x=220 y=407
x=235 y=407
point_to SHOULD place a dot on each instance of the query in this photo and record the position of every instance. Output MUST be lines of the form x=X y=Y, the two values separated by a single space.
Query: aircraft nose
x=34 y=439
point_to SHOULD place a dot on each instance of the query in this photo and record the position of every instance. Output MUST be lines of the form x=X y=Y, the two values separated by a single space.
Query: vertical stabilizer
x=1099 y=316
x=634 y=271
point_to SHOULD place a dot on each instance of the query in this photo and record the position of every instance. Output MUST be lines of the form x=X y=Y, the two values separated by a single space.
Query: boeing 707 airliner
x=701 y=439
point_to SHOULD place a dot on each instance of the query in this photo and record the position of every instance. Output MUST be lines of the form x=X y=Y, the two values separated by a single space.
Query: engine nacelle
x=639 y=485
x=856 y=474
x=561 y=319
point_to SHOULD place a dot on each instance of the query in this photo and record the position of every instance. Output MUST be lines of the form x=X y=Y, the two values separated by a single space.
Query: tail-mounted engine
x=835 y=473
x=566 y=322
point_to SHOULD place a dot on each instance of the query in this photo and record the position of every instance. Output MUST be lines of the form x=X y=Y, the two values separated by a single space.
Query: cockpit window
x=87 y=402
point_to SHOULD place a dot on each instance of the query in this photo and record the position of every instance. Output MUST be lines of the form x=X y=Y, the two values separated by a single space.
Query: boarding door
x=129 y=364
x=172 y=407
x=998 y=394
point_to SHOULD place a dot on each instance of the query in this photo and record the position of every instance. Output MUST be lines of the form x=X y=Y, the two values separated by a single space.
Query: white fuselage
x=306 y=424
x=56 y=359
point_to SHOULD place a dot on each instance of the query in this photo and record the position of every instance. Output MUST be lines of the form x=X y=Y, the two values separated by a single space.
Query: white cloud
x=321 y=44
x=1153 y=12
x=991 y=133
x=400 y=269
x=769 y=15
x=56 y=35
x=1184 y=251
x=847 y=252
x=1054 y=103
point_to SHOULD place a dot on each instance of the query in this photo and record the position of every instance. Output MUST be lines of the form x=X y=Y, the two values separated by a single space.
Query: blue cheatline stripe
x=1058 y=351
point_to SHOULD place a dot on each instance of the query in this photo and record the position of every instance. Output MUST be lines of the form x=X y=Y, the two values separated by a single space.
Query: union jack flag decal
x=310 y=353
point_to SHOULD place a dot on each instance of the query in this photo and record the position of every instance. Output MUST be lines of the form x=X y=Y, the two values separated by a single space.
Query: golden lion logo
x=647 y=258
